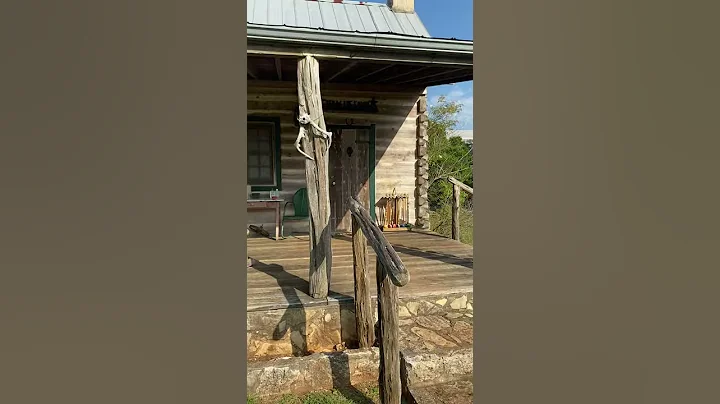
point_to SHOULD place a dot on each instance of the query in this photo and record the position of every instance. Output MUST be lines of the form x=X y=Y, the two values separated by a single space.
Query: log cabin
x=375 y=61
x=337 y=106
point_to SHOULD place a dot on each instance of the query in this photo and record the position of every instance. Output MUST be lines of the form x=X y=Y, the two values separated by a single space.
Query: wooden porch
x=279 y=276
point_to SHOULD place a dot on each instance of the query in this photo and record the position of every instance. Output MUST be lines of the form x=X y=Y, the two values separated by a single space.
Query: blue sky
x=449 y=19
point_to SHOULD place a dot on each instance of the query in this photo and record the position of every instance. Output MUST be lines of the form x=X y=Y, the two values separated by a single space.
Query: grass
x=367 y=395
x=441 y=222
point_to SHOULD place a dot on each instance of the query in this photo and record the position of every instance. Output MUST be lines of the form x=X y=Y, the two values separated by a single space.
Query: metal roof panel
x=260 y=12
x=367 y=19
x=288 y=12
x=406 y=25
x=302 y=14
x=356 y=23
x=250 y=9
x=316 y=20
x=328 y=16
x=414 y=19
x=379 y=20
x=342 y=18
x=273 y=17
x=331 y=15
x=391 y=19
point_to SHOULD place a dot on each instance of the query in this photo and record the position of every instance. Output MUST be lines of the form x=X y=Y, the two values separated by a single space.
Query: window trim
x=277 y=149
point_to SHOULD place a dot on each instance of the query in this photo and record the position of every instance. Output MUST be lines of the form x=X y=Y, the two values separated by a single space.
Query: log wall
x=395 y=138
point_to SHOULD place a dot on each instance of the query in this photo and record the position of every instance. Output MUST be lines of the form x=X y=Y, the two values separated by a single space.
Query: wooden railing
x=391 y=274
x=457 y=187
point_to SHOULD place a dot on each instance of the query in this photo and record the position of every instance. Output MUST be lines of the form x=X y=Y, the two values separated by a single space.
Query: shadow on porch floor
x=279 y=279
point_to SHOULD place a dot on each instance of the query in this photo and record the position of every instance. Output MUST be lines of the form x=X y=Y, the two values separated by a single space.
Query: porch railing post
x=456 y=213
x=390 y=384
x=363 y=304
x=457 y=188
x=390 y=274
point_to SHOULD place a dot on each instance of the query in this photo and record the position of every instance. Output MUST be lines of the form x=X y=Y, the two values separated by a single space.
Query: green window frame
x=274 y=124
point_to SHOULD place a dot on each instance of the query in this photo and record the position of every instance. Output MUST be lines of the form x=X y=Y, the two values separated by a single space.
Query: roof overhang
x=417 y=61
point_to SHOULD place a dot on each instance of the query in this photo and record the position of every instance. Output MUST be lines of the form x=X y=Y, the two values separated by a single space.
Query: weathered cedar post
x=363 y=304
x=316 y=173
x=390 y=383
x=457 y=188
x=456 y=212
x=391 y=274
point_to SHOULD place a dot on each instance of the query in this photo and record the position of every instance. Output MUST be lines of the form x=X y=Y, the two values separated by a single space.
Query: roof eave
x=431 y=50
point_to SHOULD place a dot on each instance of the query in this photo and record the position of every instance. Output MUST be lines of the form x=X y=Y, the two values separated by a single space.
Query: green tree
x=448 y=155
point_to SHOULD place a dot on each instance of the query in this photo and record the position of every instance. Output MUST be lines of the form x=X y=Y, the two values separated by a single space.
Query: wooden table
x=268 y=204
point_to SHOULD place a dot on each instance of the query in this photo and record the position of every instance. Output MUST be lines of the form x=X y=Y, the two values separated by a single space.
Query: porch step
x=423 y=373
x=455 y=392
x=439 y=377
x=322 y=371
x=434 y=368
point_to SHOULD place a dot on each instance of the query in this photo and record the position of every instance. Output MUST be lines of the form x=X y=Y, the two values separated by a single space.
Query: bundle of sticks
x=393 y=211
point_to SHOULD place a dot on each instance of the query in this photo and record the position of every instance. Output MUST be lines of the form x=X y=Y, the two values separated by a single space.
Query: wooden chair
x=302 y=209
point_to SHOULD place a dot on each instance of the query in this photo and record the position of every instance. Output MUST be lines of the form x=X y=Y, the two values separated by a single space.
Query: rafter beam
x=374 y=72
x=343 y=70
x=433 y=75
x=414 y=71
x=452 y=79
x=278 y=68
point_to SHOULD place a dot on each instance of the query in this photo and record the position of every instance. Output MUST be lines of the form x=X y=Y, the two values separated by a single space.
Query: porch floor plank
x=279 y=277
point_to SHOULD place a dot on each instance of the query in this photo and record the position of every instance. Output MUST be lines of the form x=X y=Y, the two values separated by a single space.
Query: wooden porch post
x=316 y=173
x=389 y=377
x=456 y=212
x=363 y=304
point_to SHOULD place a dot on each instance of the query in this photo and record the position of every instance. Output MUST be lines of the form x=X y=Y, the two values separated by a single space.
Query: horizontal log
x=461 y=185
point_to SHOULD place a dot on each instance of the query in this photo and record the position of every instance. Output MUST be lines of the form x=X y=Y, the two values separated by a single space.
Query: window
x=263 y=142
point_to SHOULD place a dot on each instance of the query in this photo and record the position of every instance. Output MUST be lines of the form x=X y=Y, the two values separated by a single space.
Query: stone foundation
x=444 y=322
x=426 y=323
x=300 y=331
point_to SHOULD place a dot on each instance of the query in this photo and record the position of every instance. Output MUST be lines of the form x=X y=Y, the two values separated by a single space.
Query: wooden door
x=349 y=173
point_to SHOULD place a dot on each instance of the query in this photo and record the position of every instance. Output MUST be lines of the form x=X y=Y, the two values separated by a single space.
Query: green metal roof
x=346 y=24
x=329 y=15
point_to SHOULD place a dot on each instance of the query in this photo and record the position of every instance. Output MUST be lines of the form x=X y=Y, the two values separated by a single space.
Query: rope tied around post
x=305 y=120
